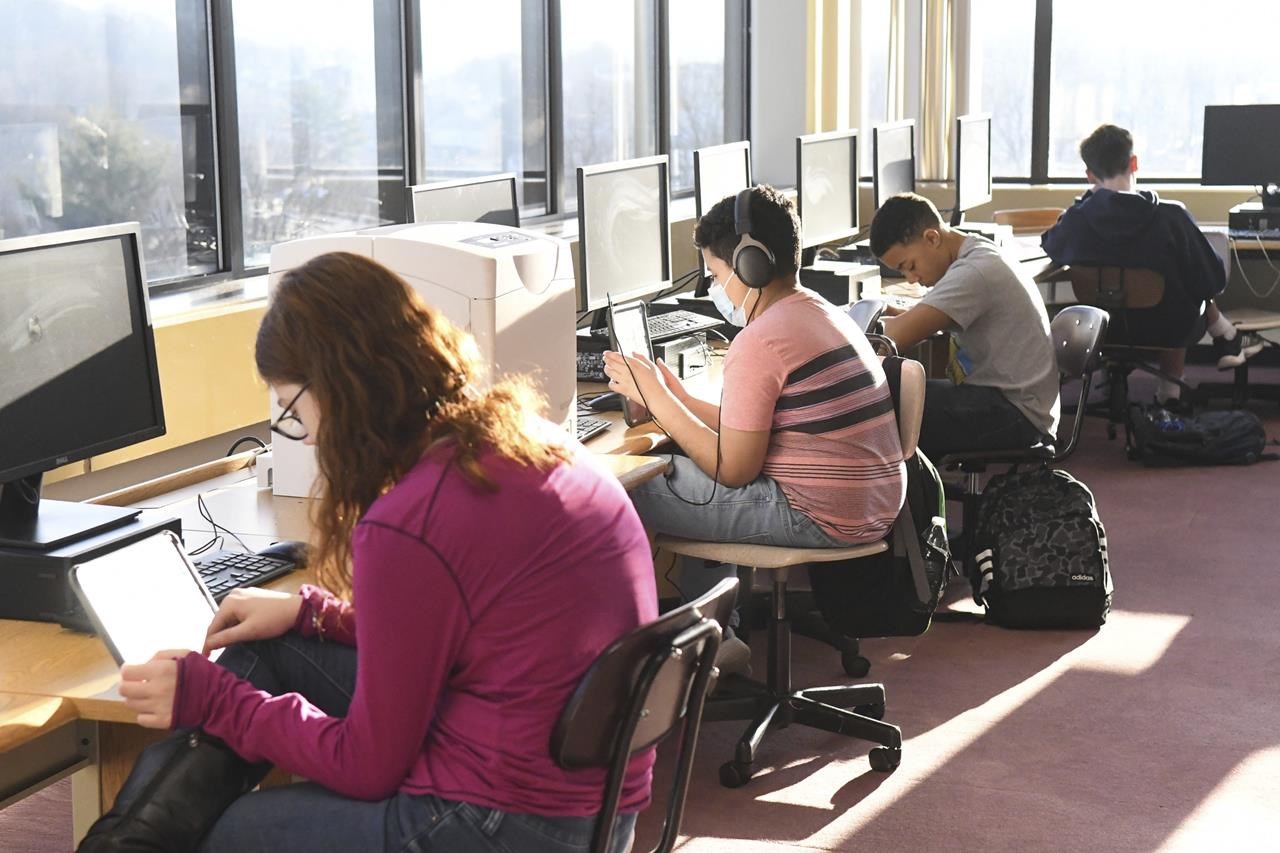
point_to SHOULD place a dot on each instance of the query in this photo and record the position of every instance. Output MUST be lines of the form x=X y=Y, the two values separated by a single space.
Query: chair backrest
x=866 y=312
x=640 y=689
x=1116 y=288
x=1028 y=219
x=1077 y=332
x=910 y=405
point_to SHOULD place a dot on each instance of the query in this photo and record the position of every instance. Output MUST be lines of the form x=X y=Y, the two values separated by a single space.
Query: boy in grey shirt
x=1009 y=394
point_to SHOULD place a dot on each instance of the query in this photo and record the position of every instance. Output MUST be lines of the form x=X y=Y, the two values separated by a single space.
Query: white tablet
x=145 y=598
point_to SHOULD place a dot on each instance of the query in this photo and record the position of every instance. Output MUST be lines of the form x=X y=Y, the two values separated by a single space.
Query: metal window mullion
x=737 y=78
x=414 y=117
x=389 y=43
x=1040 y=92
x=226 y=141
x=555 y=109
x=662 y=23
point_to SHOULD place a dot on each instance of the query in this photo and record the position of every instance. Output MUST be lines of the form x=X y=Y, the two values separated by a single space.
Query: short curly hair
x=773 y=222
x=901 y=219
x=1107 y=150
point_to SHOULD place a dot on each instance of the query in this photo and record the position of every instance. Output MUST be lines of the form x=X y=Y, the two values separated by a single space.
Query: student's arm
x=1204 y=274
x=740 y=453
x=921 y=322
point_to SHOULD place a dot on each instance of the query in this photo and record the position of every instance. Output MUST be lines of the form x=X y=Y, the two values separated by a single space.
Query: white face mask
x=735 y=315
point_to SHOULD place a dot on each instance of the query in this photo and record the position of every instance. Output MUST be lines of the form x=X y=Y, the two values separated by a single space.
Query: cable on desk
x=207 y=516
x=262 y=445
x=1235 y=255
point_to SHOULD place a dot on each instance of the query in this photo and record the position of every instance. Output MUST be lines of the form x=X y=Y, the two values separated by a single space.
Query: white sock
x=1222 y=328
x=1166 y=390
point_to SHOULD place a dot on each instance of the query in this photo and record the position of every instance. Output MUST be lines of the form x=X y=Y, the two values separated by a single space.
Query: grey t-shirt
x=1002 y=330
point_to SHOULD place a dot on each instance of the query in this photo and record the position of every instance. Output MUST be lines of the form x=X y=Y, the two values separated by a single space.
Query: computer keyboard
x=223 y=571
x=1254 y=233
x=591 y=367
x=672 y=324
x=588 y=426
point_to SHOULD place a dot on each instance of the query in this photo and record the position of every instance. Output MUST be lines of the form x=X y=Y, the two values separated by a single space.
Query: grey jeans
x=686 y=502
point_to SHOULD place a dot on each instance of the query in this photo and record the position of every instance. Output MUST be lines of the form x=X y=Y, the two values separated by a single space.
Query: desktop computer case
x=512 y=290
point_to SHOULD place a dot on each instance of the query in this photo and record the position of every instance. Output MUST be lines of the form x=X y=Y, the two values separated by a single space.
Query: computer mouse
x=287 y=549
x=609 y=401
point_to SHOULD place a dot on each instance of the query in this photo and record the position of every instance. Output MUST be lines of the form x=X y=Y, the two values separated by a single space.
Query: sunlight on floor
x=1241 y=813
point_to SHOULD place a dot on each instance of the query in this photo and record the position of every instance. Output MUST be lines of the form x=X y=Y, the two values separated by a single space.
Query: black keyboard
x=223 y=571
x=591 y=367
x=588 y=426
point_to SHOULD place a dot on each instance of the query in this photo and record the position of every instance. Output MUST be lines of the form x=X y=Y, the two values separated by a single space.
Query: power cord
x=262 y=445
x=207 y=516
x=1275 y=281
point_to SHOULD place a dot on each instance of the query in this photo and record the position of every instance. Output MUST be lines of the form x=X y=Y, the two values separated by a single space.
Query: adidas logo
x=1082 y=578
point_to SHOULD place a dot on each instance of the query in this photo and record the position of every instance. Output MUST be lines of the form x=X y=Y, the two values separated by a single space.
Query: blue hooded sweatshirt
x=1137 y=229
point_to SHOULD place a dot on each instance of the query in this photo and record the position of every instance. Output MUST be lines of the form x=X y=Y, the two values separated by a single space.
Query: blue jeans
x=307 y=816
x=971 y=417
x=757 y=513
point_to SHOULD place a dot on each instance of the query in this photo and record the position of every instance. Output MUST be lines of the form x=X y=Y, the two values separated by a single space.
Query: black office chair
x=1125 y=293
x=1077 y=332
x=641 y=689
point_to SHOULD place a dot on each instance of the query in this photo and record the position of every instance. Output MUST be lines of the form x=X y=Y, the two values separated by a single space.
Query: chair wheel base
x=735 y=774
x=875 y=712
x=855 y=665
x=884 y=759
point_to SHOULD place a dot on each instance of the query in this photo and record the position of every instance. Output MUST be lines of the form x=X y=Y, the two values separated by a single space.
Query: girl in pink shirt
x=472 y=565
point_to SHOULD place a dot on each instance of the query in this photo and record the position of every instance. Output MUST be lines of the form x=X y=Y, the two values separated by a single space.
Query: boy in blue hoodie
x=1114 y=225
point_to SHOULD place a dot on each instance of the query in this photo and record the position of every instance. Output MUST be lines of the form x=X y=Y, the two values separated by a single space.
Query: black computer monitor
x=79 y=376
x=893 y=159
x=973 y=164
x=1242 y=148
x=624 y=231
x=719 y=171
x=827 y=186
x=491 y=198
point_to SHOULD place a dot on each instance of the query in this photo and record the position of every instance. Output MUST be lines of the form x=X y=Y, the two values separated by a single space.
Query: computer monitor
x=827 y=186
x=491 y=198
x=79 y=376
x=973 y=164
x=719 y=171
x=624 y=231
x=893 y=159
x=1242 y=148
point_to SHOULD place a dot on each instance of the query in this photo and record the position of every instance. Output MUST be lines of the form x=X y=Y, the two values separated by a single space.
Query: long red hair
x=390 y=376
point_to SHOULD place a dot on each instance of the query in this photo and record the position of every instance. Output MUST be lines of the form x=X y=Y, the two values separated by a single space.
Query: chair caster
x=884 y=759
x=875 y=712
x=735 y=774
x=1111 y=432
x=855 y=665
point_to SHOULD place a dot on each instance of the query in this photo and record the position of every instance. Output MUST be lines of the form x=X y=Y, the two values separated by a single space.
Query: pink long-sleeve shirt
x=479 y=613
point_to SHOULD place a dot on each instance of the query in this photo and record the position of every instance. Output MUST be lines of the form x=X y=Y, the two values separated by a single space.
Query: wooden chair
x=1120 y=291
x=640 y=690
x=1028 y=220
x=853 y=710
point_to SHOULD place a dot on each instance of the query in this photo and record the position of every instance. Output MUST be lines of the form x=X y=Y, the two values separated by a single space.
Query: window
x=1002 y=57
x=114 y=125
x=1156 y=81
x=610 y=99
x=484 y=94
x=312 y=159
x=874 y=57
x=697 y=92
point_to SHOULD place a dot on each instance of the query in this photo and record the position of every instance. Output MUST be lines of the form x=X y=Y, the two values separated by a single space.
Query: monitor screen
x=80 y=374
x=826 y=186
x=973 y=162
x=489 y=199
x=624 y=236
x=893 y=156
x=1241 y=145
x=719 y=171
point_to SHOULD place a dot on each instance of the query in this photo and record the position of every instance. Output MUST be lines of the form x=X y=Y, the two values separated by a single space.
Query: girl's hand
x=148 y=688
x=252 y=614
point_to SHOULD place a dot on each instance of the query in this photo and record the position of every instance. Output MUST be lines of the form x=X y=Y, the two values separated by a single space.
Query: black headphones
x=753 y=263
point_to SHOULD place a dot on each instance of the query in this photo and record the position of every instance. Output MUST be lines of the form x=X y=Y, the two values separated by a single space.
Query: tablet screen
x=629 y=331
x=145 y=598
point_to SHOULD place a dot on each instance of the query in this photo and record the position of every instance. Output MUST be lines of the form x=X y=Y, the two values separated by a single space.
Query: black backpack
x=1156 y=436
x=1041 y=552
x=894 y=593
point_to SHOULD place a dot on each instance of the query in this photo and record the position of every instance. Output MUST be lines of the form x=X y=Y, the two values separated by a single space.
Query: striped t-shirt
x=806 y=373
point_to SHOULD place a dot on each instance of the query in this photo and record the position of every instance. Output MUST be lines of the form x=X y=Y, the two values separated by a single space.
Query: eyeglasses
x=288 y=424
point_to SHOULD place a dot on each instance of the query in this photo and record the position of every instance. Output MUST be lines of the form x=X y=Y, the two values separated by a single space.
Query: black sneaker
x=1233 y=353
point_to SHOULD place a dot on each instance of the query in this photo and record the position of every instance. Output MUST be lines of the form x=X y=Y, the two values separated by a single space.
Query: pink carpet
x=1159 y=732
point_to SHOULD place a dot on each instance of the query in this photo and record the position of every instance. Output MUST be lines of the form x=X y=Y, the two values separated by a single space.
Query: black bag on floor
x=1158 y=437
x=1041 y=552
x=892 y=594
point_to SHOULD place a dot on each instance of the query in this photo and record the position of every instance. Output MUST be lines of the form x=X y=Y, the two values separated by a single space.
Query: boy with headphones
x=803 y=448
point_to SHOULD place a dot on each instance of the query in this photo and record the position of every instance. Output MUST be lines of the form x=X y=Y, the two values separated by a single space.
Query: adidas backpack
x=1041 y=552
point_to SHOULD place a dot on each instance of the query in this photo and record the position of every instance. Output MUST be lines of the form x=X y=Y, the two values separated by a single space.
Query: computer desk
x=61 y=712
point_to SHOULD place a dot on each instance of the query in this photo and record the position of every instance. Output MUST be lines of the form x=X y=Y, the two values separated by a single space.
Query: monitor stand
x=32 y=524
